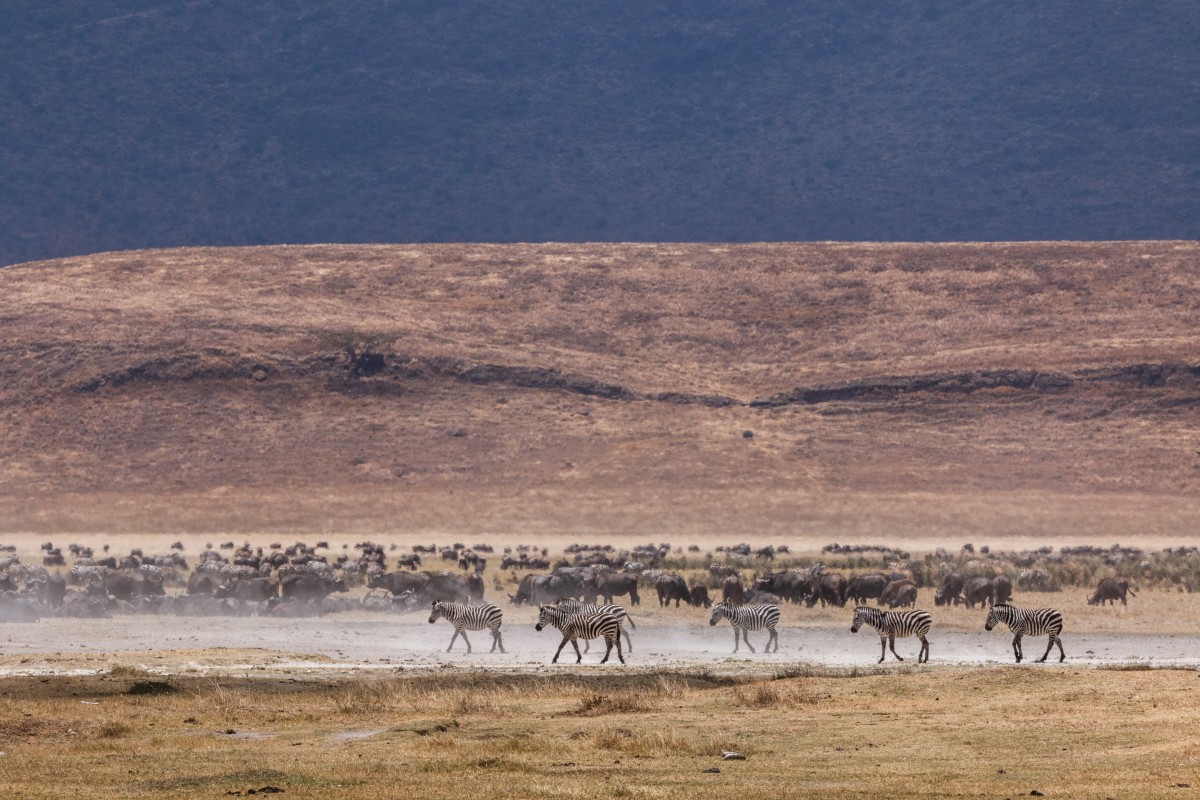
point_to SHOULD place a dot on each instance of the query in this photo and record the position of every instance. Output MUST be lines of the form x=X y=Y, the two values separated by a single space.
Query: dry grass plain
x=604 y=391
x=1004 y=732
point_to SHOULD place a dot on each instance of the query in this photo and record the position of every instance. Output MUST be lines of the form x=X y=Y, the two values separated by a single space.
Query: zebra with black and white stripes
x=579 y=607
x=892 y=625
x=469 y=618
x=748 y=618
x=1029 y=622
x=584 y=625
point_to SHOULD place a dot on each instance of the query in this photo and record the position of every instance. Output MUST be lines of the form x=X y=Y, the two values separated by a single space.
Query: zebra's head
x=998 y=613
x=720 y=611
x=437 y=611
x=859 y=618
x=547 y=615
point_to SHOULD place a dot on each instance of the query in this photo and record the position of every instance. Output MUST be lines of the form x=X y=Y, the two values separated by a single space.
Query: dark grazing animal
x=950 y=591
x=1110 y=590
x=748 y=618
x=792 y=586
x=581 y=626
x=469 y=618
x=977 y=590
x=1001 y=589
x=892 y=625
x=1035 y=622
x=699 y=594
x=830 y=589
x=610 y=585
x=898 y=594
x=732 y=590
x=865 y=587
x=672 y=587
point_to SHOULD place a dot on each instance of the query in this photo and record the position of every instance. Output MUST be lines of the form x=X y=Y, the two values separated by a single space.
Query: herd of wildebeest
x=302 y=580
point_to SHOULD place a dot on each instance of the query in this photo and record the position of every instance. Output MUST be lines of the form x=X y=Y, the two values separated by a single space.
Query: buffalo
x=977 y=590
x=672 y=587
x=1110 y=590
x=830 y=589
x=865 y=587
x=950 y=591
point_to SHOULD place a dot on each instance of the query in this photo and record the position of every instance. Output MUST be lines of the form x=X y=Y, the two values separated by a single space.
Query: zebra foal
x=748 y=618
x=469 y=618
x=575 y=626
x=578 y=607
x=1029 y=622
x=892 y=625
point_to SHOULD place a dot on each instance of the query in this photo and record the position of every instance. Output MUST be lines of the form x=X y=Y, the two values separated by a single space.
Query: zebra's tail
x=629 y=619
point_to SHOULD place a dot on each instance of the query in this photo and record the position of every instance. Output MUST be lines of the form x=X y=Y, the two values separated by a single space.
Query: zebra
x=1036 y=622
x=893 y=624
x=575 y=626
x=748 y=618
x=579 y=607
x=469 y=618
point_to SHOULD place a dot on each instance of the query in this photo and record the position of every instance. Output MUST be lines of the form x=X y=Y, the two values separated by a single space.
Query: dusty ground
x=1157 y=629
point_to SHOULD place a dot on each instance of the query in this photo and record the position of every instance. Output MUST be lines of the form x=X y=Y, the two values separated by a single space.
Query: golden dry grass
x=947 y=733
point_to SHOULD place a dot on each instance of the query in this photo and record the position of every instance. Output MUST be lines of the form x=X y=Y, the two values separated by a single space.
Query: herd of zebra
x=576 y=620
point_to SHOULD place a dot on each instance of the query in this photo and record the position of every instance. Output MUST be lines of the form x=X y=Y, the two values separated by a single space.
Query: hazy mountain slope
x=849 y=391
x=133 y=123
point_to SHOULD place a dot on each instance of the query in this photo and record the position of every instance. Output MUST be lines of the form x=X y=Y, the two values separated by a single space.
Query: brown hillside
x=914 y=391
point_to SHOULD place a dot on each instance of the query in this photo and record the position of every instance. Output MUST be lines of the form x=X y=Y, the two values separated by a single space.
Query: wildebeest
x=899 y=594
x=131 y=585
x=865 y=587
x=1110 y=590
x=830 y=589
x=398 y=582
x=541 y=589
x=672 y=587
x=699 y=594
x=977 y=590
x=732 y=591
x=950 y=590
x=611 y=585
x=1001 y=589
x=792 y=586
x=248 y=590
x=309 y=588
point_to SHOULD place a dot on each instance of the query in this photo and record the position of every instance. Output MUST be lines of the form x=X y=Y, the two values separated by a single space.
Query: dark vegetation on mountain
x=139 y=123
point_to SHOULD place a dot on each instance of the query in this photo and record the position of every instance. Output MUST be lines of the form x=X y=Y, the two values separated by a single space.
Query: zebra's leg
x=882 y=648
x=578 y=655
x=496 y=640
x=620 y=655
x=454 y=638
x=561 y=645
x=924 y=651
x=1049 y=647
x=608 y=648
x=746 y=638
x=736 y=633
x=892 y=645
x=1017 y=647
x=1062 y=654
x=465 y=639
x=587 y=646
x=774 y=637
